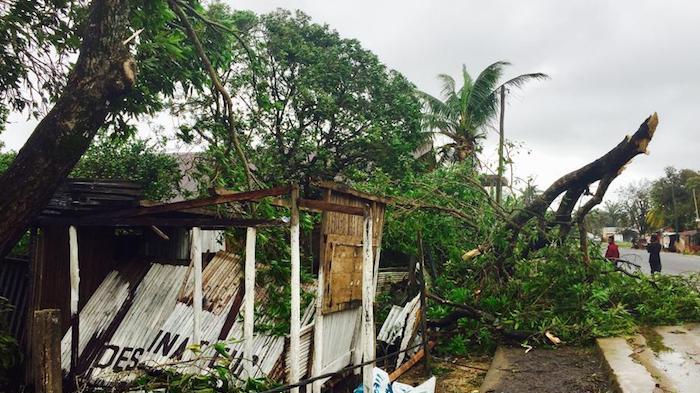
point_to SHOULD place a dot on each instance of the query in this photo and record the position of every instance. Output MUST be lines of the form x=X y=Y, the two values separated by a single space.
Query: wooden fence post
x=249 y=305
x=74 y=300
x=196 y=258
x=295 y=323
x=368 y=334
x=46 y=351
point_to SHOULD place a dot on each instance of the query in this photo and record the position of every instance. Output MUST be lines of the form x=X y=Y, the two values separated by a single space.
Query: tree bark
x=103 y=73
x=606 y=167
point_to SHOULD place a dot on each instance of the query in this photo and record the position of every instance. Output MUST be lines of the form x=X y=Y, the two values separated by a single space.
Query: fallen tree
x=533 y=279
x=573 y=186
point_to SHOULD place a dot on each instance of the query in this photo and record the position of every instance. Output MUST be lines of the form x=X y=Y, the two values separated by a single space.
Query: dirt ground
x=459 y=375
x=561 y=370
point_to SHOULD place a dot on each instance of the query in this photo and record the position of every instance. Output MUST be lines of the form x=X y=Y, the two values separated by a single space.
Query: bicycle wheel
x=630 y=263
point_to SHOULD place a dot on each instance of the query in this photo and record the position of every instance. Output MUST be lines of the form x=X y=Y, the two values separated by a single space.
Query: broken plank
x=332 y=207
x=201 y=202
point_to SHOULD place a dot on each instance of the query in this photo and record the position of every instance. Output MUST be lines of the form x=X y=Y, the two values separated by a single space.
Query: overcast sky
x=611 y=64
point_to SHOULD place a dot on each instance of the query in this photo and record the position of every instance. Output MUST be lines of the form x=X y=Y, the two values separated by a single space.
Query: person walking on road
x=654 y=250
x=613 y=252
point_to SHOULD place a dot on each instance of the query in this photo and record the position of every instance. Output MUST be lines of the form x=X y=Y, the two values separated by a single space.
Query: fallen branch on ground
x=467 y=311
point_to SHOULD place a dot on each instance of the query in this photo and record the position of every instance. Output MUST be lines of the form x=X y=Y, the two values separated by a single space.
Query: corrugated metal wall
x=13 y=284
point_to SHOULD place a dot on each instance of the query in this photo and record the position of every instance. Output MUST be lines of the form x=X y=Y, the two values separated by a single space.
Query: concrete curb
x=493 y=376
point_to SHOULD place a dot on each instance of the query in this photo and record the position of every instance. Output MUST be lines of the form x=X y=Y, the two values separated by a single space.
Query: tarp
x=382 y=384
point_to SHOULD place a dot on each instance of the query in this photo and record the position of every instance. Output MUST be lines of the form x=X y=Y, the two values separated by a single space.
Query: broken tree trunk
x=102 y=74
x=575 y=183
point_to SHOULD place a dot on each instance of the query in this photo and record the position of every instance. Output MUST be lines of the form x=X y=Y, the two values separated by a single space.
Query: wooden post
x=46 y=351
x=249 y=311
x=378 y=252
x=368 y=336
x=74 y=296
x=423 y=306
x=33 y=295
x=317 y=366
x=196 y=257
x=295 y=323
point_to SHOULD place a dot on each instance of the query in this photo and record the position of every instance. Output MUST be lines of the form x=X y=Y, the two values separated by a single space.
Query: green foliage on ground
x=553 y=290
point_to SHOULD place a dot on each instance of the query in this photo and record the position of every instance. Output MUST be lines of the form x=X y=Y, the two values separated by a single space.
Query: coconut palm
x=462 y=115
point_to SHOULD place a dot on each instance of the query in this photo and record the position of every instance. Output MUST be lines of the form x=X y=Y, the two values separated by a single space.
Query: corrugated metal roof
x=97 y=314
x=393 y=325
x=396 y=325
x=149 y=322
x=13 y=284
x=412 y=310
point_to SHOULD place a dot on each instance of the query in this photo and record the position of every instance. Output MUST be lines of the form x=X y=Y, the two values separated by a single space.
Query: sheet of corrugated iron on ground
x=148 y=321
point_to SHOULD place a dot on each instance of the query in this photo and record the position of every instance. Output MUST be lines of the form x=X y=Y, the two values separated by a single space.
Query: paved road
x=671 y=263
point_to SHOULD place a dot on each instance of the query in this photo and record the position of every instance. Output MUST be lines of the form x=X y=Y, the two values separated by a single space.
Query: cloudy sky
x=611 y=64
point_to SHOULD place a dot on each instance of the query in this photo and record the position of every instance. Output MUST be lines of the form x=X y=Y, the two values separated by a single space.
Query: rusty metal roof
x=147 y=321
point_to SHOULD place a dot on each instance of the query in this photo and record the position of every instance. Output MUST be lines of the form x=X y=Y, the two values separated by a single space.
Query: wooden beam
x=196 y=257
x=46 y=351
x=378 y=252
x=295 y=323
x=331 y=207
x=344 y=189
x=249 y=310
x=367 y=320
x=317 y=366
x=74 y=297
x=194 y=203
x=202 y=222
x=160 y=233
x=410 y=363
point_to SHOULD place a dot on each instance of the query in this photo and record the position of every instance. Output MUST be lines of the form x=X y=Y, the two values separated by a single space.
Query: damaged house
x=140 y=285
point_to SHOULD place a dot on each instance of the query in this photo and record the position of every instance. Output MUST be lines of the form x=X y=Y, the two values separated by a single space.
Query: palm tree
x=463 y=114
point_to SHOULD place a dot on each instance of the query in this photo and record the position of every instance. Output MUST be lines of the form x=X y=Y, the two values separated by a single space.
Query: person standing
x=654 y=250
x=613 y=252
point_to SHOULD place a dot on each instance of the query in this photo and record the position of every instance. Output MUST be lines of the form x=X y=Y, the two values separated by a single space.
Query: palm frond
x=448 y=86
x=482 y=101
x=520 y=80
x=433 y=105
x=465 y=90
x=438 y=114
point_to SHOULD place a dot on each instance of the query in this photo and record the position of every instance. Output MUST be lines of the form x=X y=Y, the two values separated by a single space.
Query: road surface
x=671 y=263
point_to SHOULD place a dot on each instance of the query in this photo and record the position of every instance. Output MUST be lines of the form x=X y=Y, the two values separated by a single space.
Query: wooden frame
x=249 y=305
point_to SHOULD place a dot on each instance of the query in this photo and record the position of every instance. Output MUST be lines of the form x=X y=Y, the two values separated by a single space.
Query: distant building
x=616 y=232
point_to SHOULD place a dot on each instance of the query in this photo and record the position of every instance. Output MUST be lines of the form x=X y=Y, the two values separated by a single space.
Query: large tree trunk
x=576 y=183
x=102 y=74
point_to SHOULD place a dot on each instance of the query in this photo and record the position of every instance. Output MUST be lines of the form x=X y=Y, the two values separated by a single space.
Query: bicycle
x=624 y=263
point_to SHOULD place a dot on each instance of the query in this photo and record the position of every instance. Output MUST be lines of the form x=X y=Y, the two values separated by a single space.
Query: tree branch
x=192 y=34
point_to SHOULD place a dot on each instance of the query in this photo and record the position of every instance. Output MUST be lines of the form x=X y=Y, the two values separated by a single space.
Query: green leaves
x=141 y=161
x=313 y=105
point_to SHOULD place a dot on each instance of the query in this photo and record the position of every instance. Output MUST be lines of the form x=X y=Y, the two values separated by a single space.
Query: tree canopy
x=312 y=104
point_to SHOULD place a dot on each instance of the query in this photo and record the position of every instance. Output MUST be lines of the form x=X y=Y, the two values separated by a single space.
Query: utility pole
x=697 y=213
x=501 y=137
